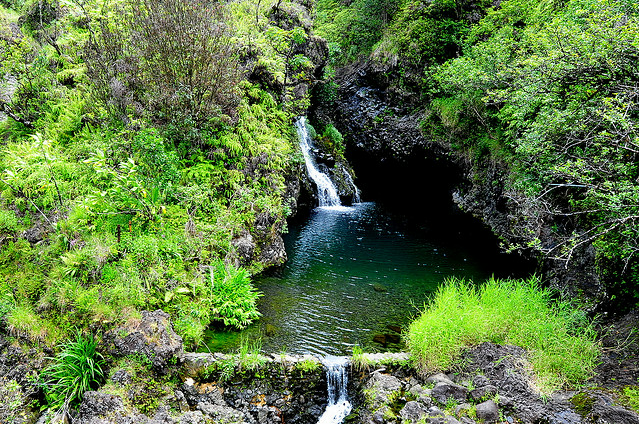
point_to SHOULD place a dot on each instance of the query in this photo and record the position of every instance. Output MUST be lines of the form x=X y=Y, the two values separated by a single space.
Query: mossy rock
x=583 y=403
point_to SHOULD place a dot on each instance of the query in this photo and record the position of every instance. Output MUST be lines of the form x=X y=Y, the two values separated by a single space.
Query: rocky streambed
x=152 y=380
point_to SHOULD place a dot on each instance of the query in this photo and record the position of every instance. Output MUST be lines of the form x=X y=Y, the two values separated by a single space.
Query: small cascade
x=338 y=406
x=356 y=193
x=326 y=191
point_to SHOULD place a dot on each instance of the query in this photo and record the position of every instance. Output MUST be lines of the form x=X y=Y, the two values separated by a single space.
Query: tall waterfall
x=337 y=378
x=326 y=191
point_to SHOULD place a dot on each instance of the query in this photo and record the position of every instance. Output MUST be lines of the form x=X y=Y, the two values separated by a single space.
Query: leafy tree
x=560 y=94
x=173 y=60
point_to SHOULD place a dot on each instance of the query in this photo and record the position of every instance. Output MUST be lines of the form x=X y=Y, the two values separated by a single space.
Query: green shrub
x=308 y=366
x=226 y=295
x=561 y=348
x=334 y=138
x=76 y=369
x=8 y=222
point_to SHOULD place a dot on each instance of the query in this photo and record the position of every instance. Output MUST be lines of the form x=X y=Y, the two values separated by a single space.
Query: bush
x=8 y=222
x=227 y=296
x=560 y=343
x=75 y=370
x=138 y=64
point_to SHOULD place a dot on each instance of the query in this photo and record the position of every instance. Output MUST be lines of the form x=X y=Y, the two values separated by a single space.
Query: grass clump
x=359 y=361
x=630 y=397
x=560 y=342
x=306 y=366
x=75 y=370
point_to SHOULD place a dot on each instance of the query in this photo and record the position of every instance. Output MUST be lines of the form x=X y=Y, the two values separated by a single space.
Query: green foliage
x=561 y=349
x=15 y=401
x=359 y=361
x=249 y=356
x=307 y=366
x=76 y=369
x=357 y=27
x=583 y=403
x=152 y=40
x=555 y=83
x=134 y=169
x=334 y=139
x=8 y=222
x=631 y=397
x=225 y=295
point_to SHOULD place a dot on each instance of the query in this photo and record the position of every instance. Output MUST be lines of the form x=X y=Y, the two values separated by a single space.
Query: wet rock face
x=152 y=336
x=382 y=129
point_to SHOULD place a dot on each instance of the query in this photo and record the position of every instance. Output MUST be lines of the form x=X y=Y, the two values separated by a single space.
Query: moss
x=583 y=403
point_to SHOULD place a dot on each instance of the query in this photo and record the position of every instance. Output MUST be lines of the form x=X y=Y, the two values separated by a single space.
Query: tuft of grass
x=75 y=370
x=306 y=366
x=561 y=344
x=249 y=356
x=359 y=361
x=630 y=397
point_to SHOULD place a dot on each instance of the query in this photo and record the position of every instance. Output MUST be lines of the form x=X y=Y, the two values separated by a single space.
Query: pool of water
x=355 y=276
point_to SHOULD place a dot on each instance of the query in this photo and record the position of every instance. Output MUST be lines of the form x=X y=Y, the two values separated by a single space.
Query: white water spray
x=349 y=179
x=337 y=379
x=326 y=191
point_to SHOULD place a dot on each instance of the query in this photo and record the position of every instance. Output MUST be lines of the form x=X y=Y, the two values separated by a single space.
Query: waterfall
x=326 y=191
x=337 y=379
x=356 y=193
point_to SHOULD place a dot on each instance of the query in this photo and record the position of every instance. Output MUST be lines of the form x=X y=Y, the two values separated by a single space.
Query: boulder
x=487 y=412
x=444 y=391
x=439 y=378
x=413 y=411
x=152 y=336
x=98 y=406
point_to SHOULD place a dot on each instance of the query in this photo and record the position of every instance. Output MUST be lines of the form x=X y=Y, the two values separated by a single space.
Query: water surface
x=354 y=277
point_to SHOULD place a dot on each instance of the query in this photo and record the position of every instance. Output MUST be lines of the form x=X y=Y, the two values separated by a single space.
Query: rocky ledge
x=151 y=380
x=492 y=384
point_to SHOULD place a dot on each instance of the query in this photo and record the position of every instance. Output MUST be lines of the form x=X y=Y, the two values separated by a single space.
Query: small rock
x=194 y=417
x=98 y=404
x=462 y=408
x=181 y=401
x=506 y=402
x=480 y=381
x=483 y=393
x=487 y=411
x=435 y=412
x=152 y=336
x=439 y=378
x=378 y=418
x=444 y=391
x=413 y=411
x=122 y=377
x=425 y=400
